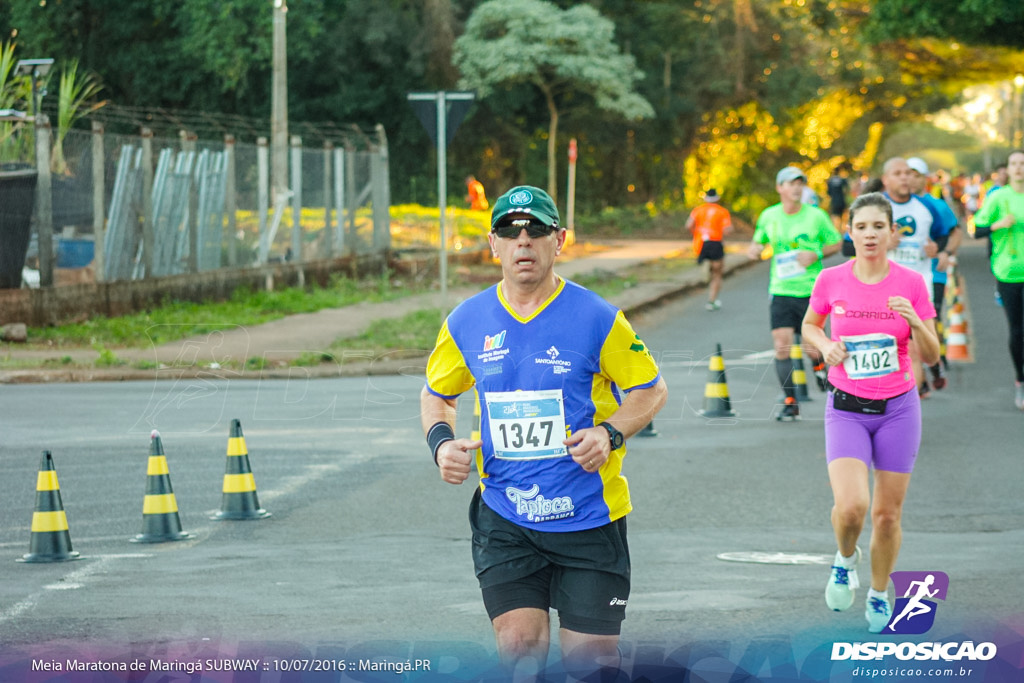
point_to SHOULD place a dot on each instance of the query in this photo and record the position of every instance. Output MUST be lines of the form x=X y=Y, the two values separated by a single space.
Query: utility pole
x=279 y=105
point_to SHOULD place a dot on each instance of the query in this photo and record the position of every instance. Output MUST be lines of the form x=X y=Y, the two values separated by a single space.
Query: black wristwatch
x=614 y=435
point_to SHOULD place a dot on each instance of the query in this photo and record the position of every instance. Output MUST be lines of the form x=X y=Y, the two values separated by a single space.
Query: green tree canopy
x=997 y=23
x=561 y=52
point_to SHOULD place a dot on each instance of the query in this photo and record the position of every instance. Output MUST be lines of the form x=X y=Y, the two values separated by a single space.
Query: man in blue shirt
x=946 y=234
x=562 y=381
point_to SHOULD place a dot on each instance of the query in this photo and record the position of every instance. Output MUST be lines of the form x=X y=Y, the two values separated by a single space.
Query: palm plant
x=14 y=90
x=74 y=101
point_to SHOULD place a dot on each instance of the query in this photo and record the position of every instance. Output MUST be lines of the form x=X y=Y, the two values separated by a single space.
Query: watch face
x=614 y=435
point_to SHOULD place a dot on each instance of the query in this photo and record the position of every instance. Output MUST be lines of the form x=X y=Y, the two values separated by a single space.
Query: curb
x=660 y=294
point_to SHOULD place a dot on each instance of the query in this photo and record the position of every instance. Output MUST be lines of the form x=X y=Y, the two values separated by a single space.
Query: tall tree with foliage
x=977 y=22
x=560 y=52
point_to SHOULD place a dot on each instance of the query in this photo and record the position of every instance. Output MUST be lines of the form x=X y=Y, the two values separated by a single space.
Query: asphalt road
x=366 y=554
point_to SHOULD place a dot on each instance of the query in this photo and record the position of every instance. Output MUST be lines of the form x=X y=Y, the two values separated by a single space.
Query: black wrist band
x=439 y=433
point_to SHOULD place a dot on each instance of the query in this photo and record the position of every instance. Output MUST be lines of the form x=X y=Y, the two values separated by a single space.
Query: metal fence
x=171 y=206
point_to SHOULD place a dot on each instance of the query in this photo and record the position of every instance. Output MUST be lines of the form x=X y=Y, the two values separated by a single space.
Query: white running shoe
x=1018 y=396
x=842 y=585
x=878 y=612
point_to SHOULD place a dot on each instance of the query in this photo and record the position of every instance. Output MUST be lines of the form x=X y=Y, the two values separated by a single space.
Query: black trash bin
x=17 y=201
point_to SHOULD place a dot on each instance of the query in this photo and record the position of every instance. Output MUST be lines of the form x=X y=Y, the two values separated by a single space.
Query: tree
x=563 y=53
x=976 y=22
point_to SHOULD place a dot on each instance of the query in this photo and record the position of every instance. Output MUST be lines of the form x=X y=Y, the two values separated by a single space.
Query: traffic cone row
x=956 y=335
x=51 y=539
x=956 y=338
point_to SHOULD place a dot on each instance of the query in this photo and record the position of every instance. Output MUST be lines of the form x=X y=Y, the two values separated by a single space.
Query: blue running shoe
x=842 y=584
x=877 y=612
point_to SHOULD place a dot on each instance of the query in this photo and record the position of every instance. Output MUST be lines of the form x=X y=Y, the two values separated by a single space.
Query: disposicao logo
x=914 y=613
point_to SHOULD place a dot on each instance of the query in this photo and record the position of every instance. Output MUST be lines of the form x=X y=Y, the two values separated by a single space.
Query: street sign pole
x=438 y=129
x=442 y=191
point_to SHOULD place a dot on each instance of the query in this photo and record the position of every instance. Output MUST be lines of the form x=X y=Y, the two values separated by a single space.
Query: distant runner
x=709 y=223
x=1001 y=217
x=800 y=236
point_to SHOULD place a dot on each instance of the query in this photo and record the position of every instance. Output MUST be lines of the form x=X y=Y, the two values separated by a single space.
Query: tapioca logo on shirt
x=842 y=308
x=537 y=508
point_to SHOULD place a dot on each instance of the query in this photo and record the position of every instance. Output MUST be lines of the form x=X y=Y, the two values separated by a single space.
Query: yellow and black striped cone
x=160 y=520
x=716 y=392
x=796 y=357
x=239 y=500
x=51 y=540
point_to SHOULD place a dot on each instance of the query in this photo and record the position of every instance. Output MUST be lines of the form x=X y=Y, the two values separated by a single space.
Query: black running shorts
x=711 y=251
x=788 y=311
x=584 y=575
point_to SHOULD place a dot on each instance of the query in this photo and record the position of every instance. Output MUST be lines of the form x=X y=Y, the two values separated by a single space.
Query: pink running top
x=875 y=336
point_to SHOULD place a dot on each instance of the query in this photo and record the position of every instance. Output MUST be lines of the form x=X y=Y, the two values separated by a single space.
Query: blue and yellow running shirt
x=538 y=380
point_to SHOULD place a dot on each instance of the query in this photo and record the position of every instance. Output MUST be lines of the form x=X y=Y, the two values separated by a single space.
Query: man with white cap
x=947 y=236
x=709 y=223
x=800 y=236
x=914 y=220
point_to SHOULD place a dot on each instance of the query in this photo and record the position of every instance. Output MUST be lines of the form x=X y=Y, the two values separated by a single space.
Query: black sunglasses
x=534 y=229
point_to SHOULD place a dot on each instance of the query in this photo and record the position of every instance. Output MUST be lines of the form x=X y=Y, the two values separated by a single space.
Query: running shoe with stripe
x=878 y=612
x=790 y=411
x=842 y=584
x=821 y=376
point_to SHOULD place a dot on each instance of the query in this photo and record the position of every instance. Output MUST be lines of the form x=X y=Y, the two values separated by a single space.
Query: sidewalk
x=287 y=339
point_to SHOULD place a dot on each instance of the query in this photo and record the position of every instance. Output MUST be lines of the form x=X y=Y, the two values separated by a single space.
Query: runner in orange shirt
x=709 y=222
x=475 y=194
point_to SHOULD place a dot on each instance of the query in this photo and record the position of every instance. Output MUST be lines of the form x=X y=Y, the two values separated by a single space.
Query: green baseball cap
x=525 y=199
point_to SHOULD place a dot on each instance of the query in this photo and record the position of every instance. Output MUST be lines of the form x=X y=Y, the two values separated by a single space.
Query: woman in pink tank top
x=873 y=413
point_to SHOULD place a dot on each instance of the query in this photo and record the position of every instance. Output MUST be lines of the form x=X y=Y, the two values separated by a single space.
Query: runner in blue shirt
x=562 y=381
x=946 y=234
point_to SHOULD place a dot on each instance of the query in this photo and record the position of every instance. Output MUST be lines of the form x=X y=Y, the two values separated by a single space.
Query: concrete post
x=44 y=201
x=148 y=243
x=231 y=200
x=99 y=219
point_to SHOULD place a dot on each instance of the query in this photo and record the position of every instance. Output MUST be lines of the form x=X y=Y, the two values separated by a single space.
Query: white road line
x=92 y=564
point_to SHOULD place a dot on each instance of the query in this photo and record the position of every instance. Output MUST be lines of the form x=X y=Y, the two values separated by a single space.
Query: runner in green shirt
x=1002 y=218
x=800 y=236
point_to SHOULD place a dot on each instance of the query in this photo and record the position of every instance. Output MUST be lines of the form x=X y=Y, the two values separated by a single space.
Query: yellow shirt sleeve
x=625 y=358
x=447 y=373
